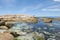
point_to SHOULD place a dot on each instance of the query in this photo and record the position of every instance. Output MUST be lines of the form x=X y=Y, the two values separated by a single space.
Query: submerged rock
x=25 y=37
x=16 y=33
x=49 y=24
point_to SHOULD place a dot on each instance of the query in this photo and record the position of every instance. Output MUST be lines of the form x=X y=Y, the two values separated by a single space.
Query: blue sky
x=31 y=7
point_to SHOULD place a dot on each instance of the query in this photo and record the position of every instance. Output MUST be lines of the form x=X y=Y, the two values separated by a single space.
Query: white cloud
x=29 y=8
x=54 y=7
x=37 y=6
x=50 y=9
x=57 y=0
x=23 y=10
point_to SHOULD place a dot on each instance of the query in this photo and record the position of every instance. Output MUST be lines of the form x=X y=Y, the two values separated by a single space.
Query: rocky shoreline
x=7 y=21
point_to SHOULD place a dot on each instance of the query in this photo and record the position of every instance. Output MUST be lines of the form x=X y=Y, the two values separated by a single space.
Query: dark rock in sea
x=47 y=20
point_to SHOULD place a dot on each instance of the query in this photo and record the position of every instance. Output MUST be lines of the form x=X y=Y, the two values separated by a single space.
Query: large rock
x=2 y=23
x=9 y=24
x=3 y=27
x=6 y=36
x=30 y=19
x=47 y=20
x=2 y=31
x=17 y=32
x=22 y=18
x=14 y=33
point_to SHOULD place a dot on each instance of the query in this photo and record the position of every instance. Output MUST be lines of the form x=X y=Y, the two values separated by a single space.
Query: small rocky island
x=47 y=20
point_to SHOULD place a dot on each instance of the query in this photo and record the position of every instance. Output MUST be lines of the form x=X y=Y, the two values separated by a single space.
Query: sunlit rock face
x=47 y=20
x=21 y=18
x=2 y=31
x=6 y=36
x=3 y=27
x=9 y=24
